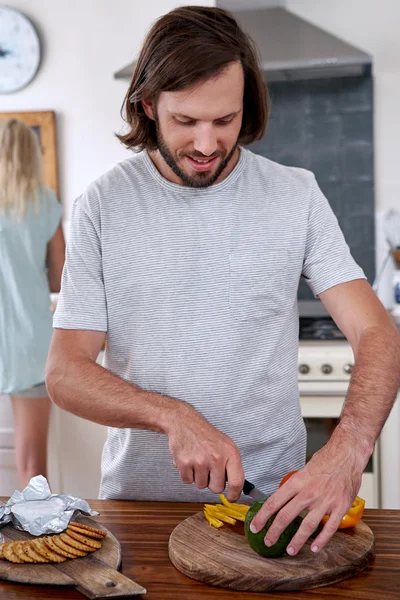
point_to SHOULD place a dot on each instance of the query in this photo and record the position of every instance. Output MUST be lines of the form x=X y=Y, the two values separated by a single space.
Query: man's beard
x=201 y=179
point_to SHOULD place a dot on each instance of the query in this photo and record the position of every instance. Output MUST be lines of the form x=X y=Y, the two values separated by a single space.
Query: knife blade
x=249 y=489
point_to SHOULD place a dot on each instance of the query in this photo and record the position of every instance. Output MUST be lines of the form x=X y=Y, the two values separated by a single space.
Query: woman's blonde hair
x=20 y=168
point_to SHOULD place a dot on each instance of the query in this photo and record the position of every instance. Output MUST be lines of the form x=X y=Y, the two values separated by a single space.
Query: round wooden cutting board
x=222 y=557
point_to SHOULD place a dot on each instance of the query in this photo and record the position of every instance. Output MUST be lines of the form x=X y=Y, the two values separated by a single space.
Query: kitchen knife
x=249 y=489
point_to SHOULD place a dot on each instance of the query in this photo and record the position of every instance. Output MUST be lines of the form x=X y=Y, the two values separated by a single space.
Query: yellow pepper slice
x=241 y=508
x=226 y=511
x=218 y=507
x=213 y=521
x=220 y=516
x=237 y=516
x=352 y=517
x=217 y=514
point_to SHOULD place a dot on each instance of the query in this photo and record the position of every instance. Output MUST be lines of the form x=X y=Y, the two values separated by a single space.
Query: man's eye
x=224 y=121
x=184 y=122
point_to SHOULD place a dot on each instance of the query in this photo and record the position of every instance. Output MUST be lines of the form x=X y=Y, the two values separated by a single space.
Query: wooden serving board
x=94 y=575
x=222 y=557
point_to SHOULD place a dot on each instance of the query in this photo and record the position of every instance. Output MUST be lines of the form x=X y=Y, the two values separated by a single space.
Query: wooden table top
x=143 y=529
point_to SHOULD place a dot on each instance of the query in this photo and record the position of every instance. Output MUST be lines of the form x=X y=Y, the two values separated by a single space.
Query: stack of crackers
x=78 y=540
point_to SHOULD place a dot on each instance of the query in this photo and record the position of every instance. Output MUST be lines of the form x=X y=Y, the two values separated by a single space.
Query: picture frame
x=44 y=125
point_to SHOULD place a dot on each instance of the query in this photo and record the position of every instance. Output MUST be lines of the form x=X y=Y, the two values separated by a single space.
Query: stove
x=324 y=367
x=326 y=359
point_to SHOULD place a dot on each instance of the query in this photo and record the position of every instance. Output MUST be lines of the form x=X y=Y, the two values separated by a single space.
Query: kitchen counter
x=143 y=529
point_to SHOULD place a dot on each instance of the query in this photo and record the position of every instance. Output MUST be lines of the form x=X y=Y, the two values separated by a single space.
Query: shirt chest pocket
x=258 y=283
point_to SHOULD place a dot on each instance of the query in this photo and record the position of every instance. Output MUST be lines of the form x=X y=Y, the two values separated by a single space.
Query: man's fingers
x=201 y=477
x=283 y=518
x=307 y=528
x=271 y=506
x=328 y=531
x=235 y=477
x=186 y=474
x=217 y=480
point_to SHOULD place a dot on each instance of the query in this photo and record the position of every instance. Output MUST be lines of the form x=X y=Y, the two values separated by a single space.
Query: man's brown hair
x=183 y=48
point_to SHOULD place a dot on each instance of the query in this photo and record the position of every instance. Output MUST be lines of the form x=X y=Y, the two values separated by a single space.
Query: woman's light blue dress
x=25 y=316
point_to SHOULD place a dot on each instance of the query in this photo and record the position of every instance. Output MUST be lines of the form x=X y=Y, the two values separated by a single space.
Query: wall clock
x=19 y=50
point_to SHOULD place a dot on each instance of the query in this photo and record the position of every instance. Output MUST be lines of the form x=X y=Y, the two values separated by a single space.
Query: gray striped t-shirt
x=197 y=291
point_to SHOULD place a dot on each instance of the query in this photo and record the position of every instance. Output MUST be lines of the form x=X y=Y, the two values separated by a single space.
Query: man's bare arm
x=77 y=384
x=376 y=346
x=330 y=481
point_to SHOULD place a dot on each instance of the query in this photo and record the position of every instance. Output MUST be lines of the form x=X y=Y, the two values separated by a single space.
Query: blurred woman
x=32 y=250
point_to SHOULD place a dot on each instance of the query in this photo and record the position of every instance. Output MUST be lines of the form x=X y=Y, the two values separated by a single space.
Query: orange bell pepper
x=350 y=519
x=288 y=476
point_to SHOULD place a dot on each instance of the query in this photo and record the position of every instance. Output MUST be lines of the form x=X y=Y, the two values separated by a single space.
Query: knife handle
x=247 y=487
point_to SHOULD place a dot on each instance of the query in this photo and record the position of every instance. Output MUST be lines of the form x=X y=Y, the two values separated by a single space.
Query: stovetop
x=315 y=323
x=319 y=328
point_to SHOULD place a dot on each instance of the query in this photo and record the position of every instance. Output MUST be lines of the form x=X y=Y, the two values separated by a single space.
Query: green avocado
x=256 y=540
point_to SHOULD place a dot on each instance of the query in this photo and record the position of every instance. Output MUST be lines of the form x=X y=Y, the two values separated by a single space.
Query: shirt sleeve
x=328 y=261
x=82 y=301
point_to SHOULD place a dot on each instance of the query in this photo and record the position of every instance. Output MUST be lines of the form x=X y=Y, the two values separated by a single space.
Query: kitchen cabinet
x=74 y=452
x=8 y=472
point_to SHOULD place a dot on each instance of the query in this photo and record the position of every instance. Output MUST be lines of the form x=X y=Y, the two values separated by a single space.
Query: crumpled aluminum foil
x=38 y=511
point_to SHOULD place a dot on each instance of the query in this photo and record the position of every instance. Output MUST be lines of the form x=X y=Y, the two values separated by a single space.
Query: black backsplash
x=326 y=126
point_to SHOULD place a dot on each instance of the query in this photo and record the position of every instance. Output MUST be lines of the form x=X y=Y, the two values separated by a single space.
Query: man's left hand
x=327 y=485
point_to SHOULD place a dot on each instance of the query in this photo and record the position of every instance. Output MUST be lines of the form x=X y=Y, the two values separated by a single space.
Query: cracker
x=58 y=541
x=84 y=539
x=20 y=552
x=41 y=547
x=2 y=550
x=31 y=552
x=3 y=547
x=67 y=539
x=10 y=555
x=53 y=546
x=86 y=530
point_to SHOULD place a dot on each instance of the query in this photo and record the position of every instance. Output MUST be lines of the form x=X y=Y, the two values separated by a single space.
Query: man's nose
x=205 y=141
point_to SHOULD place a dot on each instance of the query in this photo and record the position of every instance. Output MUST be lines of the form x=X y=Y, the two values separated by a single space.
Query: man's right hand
x=204 y=455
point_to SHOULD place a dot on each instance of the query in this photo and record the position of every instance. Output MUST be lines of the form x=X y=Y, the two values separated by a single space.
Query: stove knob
x=304 y=369
x=348 y=368
x=327 y=369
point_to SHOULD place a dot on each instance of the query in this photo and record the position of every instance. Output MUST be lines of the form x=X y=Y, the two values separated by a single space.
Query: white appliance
x=324 y=372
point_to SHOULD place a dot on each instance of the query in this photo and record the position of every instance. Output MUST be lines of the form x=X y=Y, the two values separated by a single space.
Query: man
x=188 y=256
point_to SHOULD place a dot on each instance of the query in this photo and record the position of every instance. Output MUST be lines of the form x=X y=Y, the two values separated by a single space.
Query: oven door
x=321 y=415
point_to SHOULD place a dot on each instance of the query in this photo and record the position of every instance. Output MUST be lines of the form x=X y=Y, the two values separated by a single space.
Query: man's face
x=198 y=128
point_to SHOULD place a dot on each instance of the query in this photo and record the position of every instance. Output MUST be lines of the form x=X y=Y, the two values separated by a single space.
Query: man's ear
x=148 y=108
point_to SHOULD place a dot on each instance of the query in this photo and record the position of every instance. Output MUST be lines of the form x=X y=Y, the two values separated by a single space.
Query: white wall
x=249 y=4
x=84 y=44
